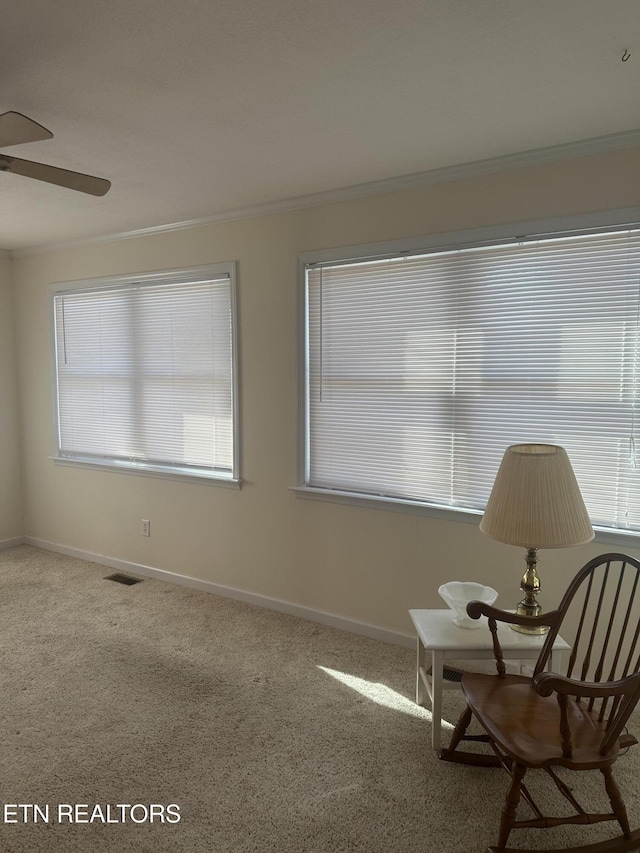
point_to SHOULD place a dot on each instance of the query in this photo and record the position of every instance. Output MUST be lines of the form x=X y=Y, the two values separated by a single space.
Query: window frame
x=172 y=276
x=561 y=226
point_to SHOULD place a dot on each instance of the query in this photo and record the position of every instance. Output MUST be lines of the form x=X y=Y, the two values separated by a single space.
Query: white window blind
x=145 y=374
x=422 y=370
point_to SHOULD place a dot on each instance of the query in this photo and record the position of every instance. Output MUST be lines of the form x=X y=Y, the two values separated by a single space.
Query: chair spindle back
x=600 y=619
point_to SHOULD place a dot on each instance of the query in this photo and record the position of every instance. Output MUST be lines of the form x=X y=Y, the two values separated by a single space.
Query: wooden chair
x=576 y=720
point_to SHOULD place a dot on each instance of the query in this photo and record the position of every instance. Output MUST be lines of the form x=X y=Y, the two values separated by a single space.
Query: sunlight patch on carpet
x=382 y=695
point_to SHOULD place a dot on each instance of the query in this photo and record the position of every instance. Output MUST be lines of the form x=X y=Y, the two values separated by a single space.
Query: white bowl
x=457 y=594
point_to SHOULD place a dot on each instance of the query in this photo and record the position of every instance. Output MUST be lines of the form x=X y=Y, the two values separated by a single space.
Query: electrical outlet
x=146 y=527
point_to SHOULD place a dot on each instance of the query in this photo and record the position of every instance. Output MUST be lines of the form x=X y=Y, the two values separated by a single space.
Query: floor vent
x=125 y=579
x=449 y=674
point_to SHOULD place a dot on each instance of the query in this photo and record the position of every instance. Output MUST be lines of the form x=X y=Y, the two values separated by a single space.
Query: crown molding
x=507 y=162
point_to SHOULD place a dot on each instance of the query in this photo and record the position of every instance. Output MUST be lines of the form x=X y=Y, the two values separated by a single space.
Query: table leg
x=556 y=661
x=437 y=662
x=420 y=673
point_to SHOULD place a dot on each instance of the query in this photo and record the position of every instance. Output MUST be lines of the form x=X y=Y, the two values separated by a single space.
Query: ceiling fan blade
x=54 y=175
x=16 y=129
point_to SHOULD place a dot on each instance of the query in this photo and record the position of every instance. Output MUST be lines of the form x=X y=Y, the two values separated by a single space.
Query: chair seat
x=526 y=726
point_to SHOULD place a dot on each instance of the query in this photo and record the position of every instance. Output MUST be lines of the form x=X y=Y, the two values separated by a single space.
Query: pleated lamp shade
x=535 y=501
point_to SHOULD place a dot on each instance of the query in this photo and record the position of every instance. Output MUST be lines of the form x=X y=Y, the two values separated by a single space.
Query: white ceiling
x=196 y=108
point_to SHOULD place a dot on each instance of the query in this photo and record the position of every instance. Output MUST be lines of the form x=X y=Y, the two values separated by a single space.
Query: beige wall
x=11 y=518
x=367 y=564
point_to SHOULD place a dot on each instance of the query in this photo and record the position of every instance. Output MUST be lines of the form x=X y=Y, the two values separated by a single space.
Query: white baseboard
x=9 y=543
x=343 y=623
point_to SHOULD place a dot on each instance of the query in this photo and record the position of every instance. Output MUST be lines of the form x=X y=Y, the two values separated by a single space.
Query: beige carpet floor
x=269 y=733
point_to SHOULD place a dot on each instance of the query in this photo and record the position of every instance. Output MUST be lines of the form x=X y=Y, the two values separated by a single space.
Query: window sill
x=628 y=538
x=315 y=493
x=179 y=474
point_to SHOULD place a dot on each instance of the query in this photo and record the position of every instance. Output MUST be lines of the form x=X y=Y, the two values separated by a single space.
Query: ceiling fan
x=16 y=129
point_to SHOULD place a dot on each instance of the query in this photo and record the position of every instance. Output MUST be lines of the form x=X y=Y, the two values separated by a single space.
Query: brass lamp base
x=528 y=608
x=530 y=585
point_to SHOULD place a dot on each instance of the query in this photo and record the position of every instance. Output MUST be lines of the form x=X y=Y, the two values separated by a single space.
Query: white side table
x=445 y=641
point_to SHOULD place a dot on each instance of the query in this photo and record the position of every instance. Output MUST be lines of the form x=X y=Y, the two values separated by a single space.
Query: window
x=421 y=369
x=145 y=373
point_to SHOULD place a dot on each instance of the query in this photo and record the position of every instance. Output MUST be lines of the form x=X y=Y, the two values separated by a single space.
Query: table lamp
x=536 y=503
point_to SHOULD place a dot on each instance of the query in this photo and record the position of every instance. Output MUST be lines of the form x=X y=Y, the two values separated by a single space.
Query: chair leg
x=459 y=733
x=508 y=816
x=617 y=803
x=461 y=727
